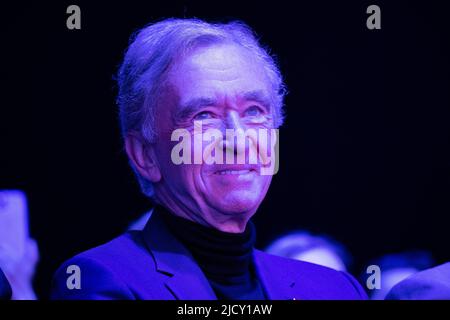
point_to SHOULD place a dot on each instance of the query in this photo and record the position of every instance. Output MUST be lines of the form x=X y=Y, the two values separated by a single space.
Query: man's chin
x=236 y=205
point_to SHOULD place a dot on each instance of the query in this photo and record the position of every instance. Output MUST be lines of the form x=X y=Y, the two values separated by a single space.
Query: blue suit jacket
x=153 y=264
x=5 y=288
x=430 y=284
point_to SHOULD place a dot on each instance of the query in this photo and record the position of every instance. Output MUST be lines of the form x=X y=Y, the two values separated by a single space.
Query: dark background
x=364 y=151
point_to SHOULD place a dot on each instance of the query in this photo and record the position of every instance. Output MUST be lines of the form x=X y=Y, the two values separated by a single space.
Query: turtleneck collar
x=223 y=256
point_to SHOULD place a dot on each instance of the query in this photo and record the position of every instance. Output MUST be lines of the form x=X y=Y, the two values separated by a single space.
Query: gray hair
x=151 y=52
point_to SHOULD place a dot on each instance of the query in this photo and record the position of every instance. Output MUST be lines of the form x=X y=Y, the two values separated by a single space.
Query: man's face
x=224 y=87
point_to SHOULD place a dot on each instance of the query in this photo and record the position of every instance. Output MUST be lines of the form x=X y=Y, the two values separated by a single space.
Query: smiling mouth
x=235 y=172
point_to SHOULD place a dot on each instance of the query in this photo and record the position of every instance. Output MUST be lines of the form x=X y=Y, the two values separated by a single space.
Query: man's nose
x=233 y=121
x=234 y=136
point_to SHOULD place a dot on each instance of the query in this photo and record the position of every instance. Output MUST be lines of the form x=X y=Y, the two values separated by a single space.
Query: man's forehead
x=219 y=56
x=225 y=65
x=219 y=71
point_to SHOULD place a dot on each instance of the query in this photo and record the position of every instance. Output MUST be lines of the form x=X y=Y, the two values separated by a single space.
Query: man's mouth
x=236 y=170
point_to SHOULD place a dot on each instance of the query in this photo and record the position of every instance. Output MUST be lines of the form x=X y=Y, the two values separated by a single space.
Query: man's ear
x=142 y=155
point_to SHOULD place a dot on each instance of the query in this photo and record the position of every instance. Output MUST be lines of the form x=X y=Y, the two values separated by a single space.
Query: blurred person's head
x=397 y=267
x=318 y=249
x=19 y=253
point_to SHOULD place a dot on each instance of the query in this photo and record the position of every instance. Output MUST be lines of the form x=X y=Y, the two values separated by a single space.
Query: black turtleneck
x=225 y=258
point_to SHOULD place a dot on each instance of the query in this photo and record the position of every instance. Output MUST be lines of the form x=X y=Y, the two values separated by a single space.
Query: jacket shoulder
x=430 y=284
x=114 y=270
x=313 y=281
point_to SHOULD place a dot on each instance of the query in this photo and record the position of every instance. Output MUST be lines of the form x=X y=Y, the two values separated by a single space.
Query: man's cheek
x=190 y=174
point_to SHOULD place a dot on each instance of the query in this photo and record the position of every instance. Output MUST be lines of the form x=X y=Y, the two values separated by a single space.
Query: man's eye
x=253 y=111
x=204 y=115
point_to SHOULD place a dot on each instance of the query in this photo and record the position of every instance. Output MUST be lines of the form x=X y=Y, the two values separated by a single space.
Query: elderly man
x=201 y=78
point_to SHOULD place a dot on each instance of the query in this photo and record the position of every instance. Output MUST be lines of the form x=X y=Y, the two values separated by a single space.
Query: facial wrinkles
x=209 y=74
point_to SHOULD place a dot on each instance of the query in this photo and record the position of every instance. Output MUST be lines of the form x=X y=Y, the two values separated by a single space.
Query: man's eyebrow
x=188 y=108
x=258 y=96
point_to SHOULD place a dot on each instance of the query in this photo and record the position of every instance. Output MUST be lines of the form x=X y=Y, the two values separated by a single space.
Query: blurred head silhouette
x=397 y=267
x=318 y=249
x=19 y=253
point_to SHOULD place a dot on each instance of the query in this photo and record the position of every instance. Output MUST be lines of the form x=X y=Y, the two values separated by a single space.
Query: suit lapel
x=185 y=279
